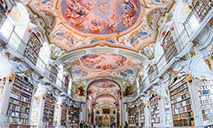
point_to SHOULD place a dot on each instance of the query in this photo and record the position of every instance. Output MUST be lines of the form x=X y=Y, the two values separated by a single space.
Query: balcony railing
x=190 y=26
x=18 y=46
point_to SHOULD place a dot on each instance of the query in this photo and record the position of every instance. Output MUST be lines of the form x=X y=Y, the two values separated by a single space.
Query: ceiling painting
x=103 y=61
x=76 y=24
x=100 y=16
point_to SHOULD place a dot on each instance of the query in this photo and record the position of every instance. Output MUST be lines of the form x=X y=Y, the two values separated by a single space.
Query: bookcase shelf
x=133 y=117
x=73 y=116
x=142 y=114
x=20 y=101
x=155 y=113
x=64 y=115
x=205 y=93
x=66 y=84
x=181 y=103
x=49 y=107
x=33 y=48
x=202 y=7
x=169 y=47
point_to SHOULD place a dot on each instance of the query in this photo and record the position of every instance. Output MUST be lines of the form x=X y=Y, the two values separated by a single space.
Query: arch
x=5 y=66
x=44 y=54
x=103 y=80
x=19 y=17
x=180 y=14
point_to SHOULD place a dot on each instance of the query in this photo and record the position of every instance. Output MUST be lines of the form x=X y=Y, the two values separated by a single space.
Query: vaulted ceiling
x=101 y=38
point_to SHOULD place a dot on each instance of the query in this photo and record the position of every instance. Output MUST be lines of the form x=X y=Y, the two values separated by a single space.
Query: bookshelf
x=133 y=115
x=202 y=7
x=169 y=47
x=73 y=116
x=181 y=103
x=33 y=48
x=66 y=84
x=53 y=73
x=49 y=107
x=155 y=113
x=64 y=115
x=142 y=114
x=20 y=101
x=205 y=93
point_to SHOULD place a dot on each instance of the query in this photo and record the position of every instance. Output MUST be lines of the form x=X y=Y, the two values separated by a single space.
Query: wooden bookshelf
x=205 y=93
x=66 y=84
x=64 y=115
x=73 y=116
x=53 y=74
x=33 y=48
x=20 y=101
x=133 y=115
x=181 y=103
x=155 y=113
x=49 y=107
x=169 y=47
x=202 y=7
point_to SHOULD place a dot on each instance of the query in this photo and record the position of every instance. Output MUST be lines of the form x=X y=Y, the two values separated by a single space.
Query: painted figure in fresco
x=128 y=5
x=81 y=91
x=95 y=26
x=128 y=90
x=110 y=26
x=101 y=7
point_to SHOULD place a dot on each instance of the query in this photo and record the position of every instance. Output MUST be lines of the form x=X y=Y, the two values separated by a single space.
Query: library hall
x=106 y=64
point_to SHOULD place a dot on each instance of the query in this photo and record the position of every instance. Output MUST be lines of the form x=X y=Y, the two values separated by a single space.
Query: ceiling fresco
x=75 y=24
x=116 y=66
x=103 y=61
x=100 y=16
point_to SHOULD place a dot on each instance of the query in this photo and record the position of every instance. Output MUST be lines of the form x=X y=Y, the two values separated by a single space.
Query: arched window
x=44 y=55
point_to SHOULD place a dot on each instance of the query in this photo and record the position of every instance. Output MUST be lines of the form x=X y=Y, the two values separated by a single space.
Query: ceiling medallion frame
x=126 y=66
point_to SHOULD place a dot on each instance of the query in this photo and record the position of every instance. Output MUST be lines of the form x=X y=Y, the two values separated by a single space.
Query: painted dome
x=100 y=16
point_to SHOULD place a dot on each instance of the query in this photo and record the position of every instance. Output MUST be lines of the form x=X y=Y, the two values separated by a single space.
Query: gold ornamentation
x=11 y=77
x=189 y=77
x=159 y=96
x=192 y=54
x=7 y=54
x=208 y=63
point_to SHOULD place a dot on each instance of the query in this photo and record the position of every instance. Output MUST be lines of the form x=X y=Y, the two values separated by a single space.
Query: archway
x=103 y=103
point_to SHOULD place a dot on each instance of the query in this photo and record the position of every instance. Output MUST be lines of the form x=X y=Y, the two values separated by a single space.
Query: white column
x=147 y=113
x=58 y=110
x=139 y=117
x=116 y=112
x=94 y=116
x=5 y=100
x=38 y=106
x=195 y=103
x=162 y=112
